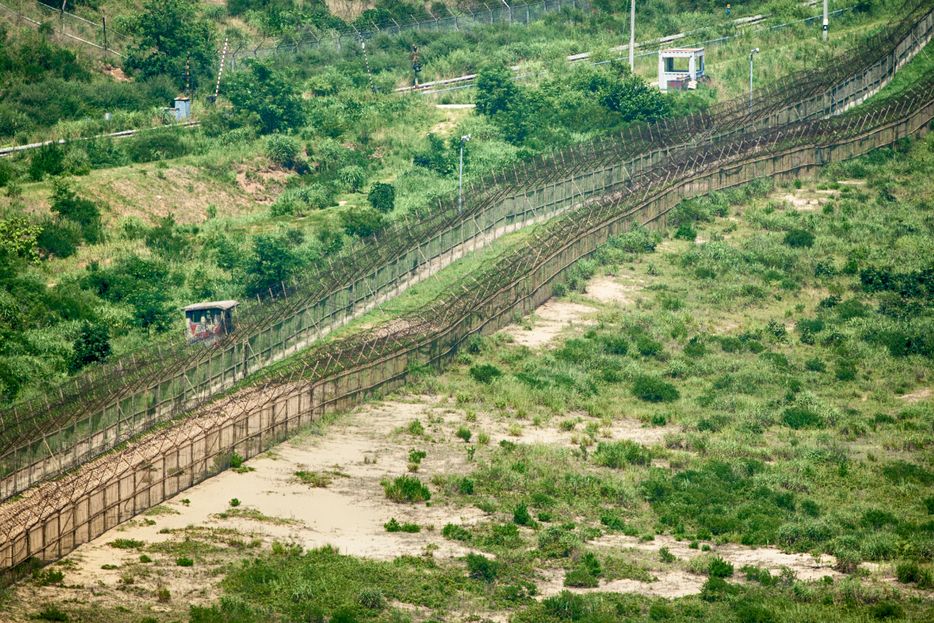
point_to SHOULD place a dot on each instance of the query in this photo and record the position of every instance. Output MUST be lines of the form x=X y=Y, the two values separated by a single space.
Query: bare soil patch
x=609 y=290
x=917 y=396
x=548 y=322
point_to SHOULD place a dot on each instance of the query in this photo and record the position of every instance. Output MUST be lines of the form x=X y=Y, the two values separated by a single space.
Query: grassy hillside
x=756 y=378
x=108 y=238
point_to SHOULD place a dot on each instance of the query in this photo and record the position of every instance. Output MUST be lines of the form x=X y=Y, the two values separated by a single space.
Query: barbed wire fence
x=107 y=406
x=67 y=27
x=49 y=521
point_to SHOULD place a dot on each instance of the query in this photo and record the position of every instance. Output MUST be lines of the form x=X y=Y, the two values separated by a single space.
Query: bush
x=731 y=344
x=798 y=418
x=521 y=516
x=612 y=521
x=648 y=347
x=406 y=489
x=695 y=348
x=815 y=365
x=581 y=578
x=156 y=145
x=394 y=526
x=235 y=502
x=618 y=454
x=282 y=150
x=465 y=486
x=58 y=238
x=908 y=572
x=352 y=177
x=52 y=613
x=455 y=532
x=382 y=197
x=652 y=389
x=91 y=345
x=485 y=373
x=686 y=231
x=372 y=598
x=127 y=544
x=799 y=239
x=463 y=433
x=184 y=562
x=482 y=568
x=362 y=222
x=566 y=605
x=720 y=568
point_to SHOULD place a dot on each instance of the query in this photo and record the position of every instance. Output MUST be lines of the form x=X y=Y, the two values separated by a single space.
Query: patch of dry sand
x=608 y=290
x=549 y=321
x=917 y=396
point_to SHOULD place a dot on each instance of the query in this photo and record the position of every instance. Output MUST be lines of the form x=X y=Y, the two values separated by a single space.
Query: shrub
x=372 y=598
x=156 y=145
x=652 y=389
x=666 y=556
x=695 y=348
x=382 y=197
x=482 y=568
x=282 y=150
x=799 y=239
x=455 y=532
x=720 y=568
x=415 y=428
x=394 y=526
x=163 y=594
x=887 y=610
x=406 y=489
x=127 y=544
x=618 y=454
x=362 y=222
x=52 y=613
x=908 y=572
x=521 y=516
x=799 y=418
x=612 y=521
x=845 y=370
x=235 y=502
x=686 y=231
x=815 y=365
x=313 y=479
x=59 y=238
x=485 y=373
x=581 y=578
x=648 y=347
x=353 y=177
x=730 y=344
x=566 y=605
x=184 y=562
x=463 y=433
x=236 y=461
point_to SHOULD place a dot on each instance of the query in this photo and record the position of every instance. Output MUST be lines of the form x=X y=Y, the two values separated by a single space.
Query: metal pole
x=460 y=183
x=751 y=54
x=104 y=22
x=632 y=36
x=825 y=20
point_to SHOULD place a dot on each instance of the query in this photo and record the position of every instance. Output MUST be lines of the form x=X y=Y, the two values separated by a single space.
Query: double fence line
x=51 y=520
x=103 y=409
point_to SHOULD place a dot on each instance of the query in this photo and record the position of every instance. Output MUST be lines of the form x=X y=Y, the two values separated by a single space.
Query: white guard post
x=684 y=79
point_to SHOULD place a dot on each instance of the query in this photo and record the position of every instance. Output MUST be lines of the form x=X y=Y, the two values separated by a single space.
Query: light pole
x=632 y=36
x=751 y=54
x=826 y=23
x=460 y=183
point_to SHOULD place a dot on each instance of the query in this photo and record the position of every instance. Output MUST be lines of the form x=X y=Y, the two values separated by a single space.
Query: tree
x=268 y=95
x=152 y=309
x=168 y=31
x=271 y=265
x=496 y=90
x=82 y=211
x=362 y=221
x=91 y=345
x=382 y=197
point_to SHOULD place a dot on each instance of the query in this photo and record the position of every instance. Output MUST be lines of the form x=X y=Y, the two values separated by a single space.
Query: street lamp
x=826 y=23
x=751 y=54
x=460 y=199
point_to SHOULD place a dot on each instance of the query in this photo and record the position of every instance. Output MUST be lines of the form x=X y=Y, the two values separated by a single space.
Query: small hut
x=208 y=321
x=678 y=67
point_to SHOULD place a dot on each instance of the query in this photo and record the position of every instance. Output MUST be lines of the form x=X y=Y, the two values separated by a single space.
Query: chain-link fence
x=67 y=27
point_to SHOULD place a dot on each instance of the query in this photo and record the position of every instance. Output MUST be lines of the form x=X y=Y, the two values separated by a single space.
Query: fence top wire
x=479 y=292
x=91 y=391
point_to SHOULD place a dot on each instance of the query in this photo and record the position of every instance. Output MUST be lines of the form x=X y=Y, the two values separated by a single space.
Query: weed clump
x=618 y=454
x=184 y=562
x=652 y=389
x=485 y=373
x=313 y=479
x=799 y=239
x=482 y=568
x=463 y=433
x=455 y=532
x=394 y=526
x=371 y=598
x=798 y=418
x=127 y=544
x=406 y=489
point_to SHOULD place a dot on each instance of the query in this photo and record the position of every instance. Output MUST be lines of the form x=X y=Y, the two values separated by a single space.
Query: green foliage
x=159 y=144
x=455 y=532
x=463 y=433
x=406 y=489
x=68 y=205
x=653 y=389
x=799 y=418
x=282 y=150
x=268 y=96
x=686 y=231
x=382 y=197
x=416 y=428
x=521 y=516
x=353 y=177
x=167 y=33
x=720 y=568
x=619 y=454
x=799 y=239
x=485 y=373
x=482 y=568
x=648 y=347
x=52 y=612
x=271 y=264
x=362 y=222
x=184 y=562
x=91 y=346
x=394 y=526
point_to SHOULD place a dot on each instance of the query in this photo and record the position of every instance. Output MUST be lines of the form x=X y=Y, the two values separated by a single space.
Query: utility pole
x=826 y=23
x=460 y=183
x=632 y=36
x=751 y=55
